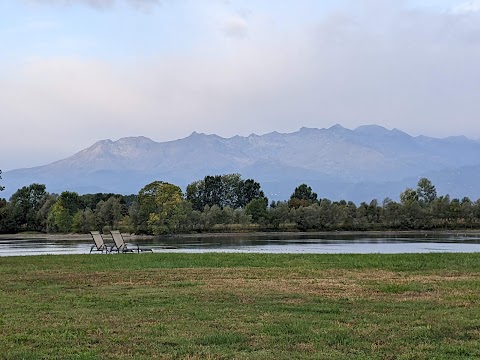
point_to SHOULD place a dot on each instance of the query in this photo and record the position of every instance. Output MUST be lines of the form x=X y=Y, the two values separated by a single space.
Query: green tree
x=257 y=209
x=8 y=224
x=361 y=217
x=325 y=214
x=214 y=190
x=213 y=215
x=223 y=190
x=84 y=221
x=412 y=215
x=195 y=194
x=302 y=196
x=61 y=213
x=467 y=211
x=279 y=214
x=108 y=213
x=248 y=190
x=426 y=191
x=408 y=196
x=308 y=217
x=159 y=207
x=240 y=217
x=392 y=213
x=71 y=201
x=374 y=213
x=26 y=203
x=440 y=210
x=350 y=211
x=42 y=213
x=59 y=219
x=455 y=212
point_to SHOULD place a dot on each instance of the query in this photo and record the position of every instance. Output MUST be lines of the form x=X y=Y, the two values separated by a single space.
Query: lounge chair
x=121 y=246
x=99 y=243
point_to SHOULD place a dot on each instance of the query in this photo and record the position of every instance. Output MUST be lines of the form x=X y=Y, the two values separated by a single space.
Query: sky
x=73 y=72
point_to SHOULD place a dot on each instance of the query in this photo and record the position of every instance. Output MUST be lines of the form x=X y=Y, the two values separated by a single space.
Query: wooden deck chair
x=99 y=243
x=121 y=246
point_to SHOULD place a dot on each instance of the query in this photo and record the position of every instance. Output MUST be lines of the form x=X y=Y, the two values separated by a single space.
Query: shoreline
x=87 y=237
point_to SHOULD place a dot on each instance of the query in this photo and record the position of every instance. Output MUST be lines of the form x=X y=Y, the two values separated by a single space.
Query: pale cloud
x=59 y=103
x=99 y=4
x=235 y=26
x=468 y=6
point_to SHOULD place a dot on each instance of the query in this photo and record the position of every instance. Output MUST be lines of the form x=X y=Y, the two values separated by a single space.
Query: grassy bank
x=242 y=306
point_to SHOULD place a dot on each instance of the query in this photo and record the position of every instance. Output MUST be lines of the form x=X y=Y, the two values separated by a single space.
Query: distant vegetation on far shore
x=228 y=203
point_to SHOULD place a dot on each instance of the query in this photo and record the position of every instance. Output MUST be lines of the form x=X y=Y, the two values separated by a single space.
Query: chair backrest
x=118 y=240
x=97 y=237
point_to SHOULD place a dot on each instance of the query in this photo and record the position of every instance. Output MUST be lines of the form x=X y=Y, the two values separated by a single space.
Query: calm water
x=287 y=244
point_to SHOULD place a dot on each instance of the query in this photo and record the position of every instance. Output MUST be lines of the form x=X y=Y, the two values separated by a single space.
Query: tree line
x=229 y=203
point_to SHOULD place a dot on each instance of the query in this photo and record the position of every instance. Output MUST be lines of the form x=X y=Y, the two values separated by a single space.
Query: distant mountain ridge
x=337 y=162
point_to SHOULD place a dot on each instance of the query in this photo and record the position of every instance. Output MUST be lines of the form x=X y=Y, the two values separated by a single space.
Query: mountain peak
x=99 y=146
x=377 y=130
x=306 y=130
x=134 y=142
x=371 y=128
x=103 y=142
x=337 y=127
x=135 y=139
x=197 y=135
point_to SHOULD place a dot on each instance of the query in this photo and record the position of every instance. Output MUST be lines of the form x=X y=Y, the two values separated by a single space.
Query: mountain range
x=338 y=163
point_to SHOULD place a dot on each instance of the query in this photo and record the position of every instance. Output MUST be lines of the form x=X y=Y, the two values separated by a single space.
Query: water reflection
x=279 y=244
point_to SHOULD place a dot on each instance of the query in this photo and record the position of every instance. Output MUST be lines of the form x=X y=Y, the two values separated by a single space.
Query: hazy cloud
x=235 y=26
x=469 y=6
x=100 y=4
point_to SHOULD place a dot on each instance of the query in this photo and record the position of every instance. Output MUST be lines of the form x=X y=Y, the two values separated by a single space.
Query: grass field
x=240 y=306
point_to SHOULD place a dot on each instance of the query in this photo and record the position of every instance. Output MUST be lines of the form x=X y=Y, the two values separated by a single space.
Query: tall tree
x=408 y=196
x=59 y=219
x=279 y=214
x=160 y=207
x=214 y=192
x=71 y=201
x=42 y=213
x=257 y=209
x=223 y=190
x=26 y=203
x=249 y=190
x=302 y=196
x=108 y=213
x=195 y=194
x=61 y=213
x=84 y=221
x=426 y=191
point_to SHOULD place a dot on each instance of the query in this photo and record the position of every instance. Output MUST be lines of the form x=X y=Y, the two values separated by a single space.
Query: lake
x=274 y=244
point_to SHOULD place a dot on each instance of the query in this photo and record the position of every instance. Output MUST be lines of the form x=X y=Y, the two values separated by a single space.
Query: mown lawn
x=240 y=306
